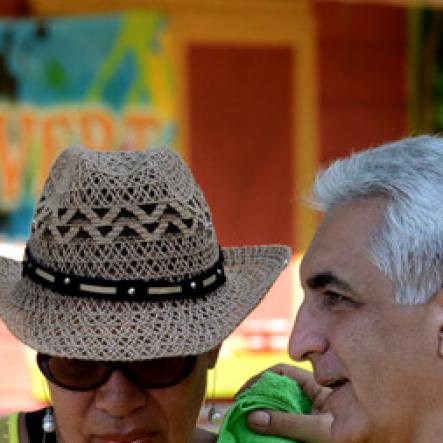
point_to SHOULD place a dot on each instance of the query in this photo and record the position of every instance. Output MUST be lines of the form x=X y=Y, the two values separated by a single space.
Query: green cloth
x=271 y=391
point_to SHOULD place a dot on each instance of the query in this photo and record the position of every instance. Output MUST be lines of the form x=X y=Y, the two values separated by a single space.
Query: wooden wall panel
x=241 y=139
x=14 y=7
x=362 y=56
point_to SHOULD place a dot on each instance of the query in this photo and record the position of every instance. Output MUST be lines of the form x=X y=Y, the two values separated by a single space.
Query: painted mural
x=104 y=82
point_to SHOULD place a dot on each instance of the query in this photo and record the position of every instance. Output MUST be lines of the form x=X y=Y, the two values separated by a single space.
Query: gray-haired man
x=371 y=322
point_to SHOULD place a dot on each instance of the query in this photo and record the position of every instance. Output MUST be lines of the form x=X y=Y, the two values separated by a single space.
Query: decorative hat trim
x=125 y=290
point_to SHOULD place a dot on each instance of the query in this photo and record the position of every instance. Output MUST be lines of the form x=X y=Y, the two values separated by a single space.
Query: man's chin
x=350 y=424
x=340 y=398
x=349 y=427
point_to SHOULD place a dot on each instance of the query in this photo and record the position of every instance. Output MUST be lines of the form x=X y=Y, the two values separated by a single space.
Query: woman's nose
x=119 y=396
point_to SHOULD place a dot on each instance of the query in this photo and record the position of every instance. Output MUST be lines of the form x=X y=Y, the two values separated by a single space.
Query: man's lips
x=333 y=383
x=130 y=437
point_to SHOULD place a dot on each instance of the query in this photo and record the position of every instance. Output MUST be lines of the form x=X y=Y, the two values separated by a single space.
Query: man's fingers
x=316 y=393
x=307 y=428
x=249 y=383
x=282 y=369
x=315 y=428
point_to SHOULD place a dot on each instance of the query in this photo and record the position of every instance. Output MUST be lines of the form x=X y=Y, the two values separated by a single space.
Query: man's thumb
x=307 y=428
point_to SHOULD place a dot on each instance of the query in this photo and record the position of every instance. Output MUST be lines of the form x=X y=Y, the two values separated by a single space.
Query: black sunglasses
x=85 y=375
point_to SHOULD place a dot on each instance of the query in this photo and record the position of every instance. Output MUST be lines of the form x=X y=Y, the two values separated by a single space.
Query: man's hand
x=312 y=428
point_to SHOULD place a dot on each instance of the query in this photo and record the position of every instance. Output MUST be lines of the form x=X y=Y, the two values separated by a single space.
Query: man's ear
x=438 y=306
x=213 y=356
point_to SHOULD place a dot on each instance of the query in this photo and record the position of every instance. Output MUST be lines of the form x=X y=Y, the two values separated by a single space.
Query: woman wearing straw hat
x=126 y=296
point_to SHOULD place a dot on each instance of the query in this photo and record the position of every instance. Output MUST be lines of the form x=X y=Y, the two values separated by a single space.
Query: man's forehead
x=343 y=239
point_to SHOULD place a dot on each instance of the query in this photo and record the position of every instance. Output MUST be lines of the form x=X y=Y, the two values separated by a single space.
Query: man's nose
x=119 y=396
x=307 y=336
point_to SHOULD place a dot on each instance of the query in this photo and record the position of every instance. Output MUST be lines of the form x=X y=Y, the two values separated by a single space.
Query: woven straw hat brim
x=76 y=327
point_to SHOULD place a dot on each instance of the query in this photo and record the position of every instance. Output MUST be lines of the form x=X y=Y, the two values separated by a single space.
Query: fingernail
x=260 y=418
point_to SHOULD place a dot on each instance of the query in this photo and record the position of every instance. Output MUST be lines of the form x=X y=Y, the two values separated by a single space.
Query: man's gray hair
x=408 y=245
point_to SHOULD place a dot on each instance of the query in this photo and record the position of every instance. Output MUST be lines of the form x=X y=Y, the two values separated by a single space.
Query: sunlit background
x=255 y=94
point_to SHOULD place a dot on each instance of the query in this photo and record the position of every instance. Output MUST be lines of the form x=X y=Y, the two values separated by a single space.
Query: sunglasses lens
x=78 y=375
x=84 y=375
x=161 y=372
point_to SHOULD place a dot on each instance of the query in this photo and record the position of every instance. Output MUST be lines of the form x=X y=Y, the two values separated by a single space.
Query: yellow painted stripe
x=13 y=428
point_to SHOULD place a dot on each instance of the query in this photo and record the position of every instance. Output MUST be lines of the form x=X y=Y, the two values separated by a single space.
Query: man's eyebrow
x=327 y=278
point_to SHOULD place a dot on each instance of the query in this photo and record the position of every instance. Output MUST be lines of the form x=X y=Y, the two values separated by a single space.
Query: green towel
x=270 y=391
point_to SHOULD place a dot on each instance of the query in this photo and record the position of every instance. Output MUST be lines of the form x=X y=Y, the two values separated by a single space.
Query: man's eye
x=332 y=299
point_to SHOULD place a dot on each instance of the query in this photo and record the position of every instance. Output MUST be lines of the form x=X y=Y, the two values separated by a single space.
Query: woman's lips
x=133 y=437
x=138 y=440
x=120 y=440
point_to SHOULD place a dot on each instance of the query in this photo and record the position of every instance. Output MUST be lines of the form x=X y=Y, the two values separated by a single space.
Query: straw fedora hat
x=123 y=263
